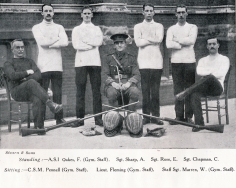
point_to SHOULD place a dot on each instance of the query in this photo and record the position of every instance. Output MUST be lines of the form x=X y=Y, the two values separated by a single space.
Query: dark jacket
x=129 y=68
x=16 y=68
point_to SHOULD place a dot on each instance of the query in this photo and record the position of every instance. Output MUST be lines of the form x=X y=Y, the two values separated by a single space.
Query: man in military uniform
x=125 y=81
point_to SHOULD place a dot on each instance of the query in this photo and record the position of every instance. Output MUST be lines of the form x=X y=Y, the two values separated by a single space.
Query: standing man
x=212 y=69
x=50 y=37
x=181 y=38
x=122 y=74
x=86 y=39
x=148 y=35
x=23 y=76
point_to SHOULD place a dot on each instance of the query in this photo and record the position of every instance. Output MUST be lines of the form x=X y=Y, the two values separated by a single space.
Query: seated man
x=212 y=69
x=23 y=76
x=122 y=74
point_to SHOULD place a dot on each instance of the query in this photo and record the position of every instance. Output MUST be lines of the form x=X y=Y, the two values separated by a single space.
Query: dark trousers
x=183 y=77
x=32 y=91
x=150 y=83
x=56 y=83
x=80 y=81
x=206 y=86
x=130 y=95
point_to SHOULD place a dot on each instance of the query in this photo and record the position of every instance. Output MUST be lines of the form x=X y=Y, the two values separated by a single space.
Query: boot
x=194 y=129
x=54 y=107
x=157 y=121
x=146 y=120
x=178 y=119
x=190 y=120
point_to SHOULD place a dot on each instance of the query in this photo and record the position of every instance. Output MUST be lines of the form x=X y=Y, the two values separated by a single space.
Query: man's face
x=213 y=46
x=47 y=13
x=181 y=14
x=18 y=49
x=148 y=13
x=87 y=15
x=120 y=45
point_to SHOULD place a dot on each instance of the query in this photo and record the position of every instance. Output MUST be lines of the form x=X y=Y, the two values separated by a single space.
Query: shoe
x=60 y=121
x=196 y=129
x=190 y=120
x=157 y=121
x=146 y=121
x=77 y=124
x=54 y=107
x=174 y=123
x=99 y=122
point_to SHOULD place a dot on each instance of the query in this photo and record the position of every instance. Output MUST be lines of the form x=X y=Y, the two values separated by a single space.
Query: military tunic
x=129 y=72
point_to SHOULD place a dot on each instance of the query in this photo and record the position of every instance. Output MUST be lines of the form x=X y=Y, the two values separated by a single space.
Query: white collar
x=186 y=23
x=151 y=22
x=87 y=24
x=48 y=23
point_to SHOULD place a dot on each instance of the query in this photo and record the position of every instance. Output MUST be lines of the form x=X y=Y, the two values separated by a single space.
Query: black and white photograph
x=124 y=89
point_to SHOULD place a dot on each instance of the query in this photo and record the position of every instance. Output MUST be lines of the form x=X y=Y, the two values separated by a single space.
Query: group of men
x=123 y=72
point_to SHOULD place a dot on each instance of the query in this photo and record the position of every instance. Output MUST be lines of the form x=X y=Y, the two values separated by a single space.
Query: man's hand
x=116 y=85
x=175 y=39
x=85 y=40
x=152 y=38
x=126 y=85
x=153 y=41
x=30 y=71
x=55 y=45
x=88 y=42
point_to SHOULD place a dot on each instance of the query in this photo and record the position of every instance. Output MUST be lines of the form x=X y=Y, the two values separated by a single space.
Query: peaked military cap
x=119 y=37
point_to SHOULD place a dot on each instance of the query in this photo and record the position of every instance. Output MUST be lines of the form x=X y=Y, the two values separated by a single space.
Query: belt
x=122 y=76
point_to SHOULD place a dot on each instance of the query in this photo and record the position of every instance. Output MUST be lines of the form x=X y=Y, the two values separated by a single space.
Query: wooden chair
x=18 y=111
x=218 y=106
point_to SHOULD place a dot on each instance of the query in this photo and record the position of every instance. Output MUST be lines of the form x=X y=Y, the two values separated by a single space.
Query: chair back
x=226 y=81
x=5 y=81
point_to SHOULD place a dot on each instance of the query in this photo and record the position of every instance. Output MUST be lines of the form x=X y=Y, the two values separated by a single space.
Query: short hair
x=212 y=37
x=148 y=4
x=87 y=7
x=181 y=6
x=16 y=40
x=46 y=5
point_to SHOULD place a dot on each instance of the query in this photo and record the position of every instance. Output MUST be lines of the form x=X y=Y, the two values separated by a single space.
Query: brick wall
x=131 y=2
x=15 y=25
x=155 y=2
x=186 y=2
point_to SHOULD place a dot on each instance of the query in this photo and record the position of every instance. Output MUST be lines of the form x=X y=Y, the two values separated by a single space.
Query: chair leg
x=207 y=115
x=19 y=117
x=9 y=118
x=28 y=116
x=218 y=110
x=226 y=110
